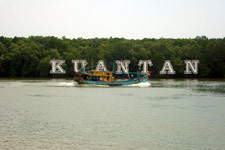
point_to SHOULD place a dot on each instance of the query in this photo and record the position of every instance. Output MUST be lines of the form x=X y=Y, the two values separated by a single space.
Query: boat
x=109 y=78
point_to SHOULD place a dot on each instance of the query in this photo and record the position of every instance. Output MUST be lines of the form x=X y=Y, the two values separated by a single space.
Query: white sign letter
x=101 y=66
x=83 y=64
x=191 y=66
x=122 y=65
x=76 y=62
x=145 y=65
x=56 y=67
x=167 y=67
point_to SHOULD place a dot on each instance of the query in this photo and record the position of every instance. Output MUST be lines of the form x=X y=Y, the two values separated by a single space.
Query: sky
x=131 y=19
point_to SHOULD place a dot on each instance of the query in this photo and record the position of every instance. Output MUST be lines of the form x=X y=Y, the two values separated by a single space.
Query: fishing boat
x=109 y=78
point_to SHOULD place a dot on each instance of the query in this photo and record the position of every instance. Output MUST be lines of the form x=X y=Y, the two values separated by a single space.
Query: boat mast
x=113 y=66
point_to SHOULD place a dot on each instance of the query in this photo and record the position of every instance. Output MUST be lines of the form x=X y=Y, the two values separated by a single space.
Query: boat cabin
x=106 y=76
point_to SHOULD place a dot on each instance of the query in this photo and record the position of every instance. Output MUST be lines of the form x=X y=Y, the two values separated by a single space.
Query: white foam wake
x=61 y=84
x=143 y=84
x=67 y=84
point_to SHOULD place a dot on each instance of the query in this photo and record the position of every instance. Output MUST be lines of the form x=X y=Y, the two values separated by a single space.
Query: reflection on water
x=160 y=114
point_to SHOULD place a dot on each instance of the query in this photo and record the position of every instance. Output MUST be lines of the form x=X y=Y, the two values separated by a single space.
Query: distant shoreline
x=30 y=57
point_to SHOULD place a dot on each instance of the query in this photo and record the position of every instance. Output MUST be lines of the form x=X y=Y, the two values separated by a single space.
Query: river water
x=158 y=115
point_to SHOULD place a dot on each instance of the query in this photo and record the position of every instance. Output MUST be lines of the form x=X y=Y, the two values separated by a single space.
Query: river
x=162 y=114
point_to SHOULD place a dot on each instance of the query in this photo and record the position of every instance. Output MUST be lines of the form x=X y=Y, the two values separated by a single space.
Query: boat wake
x=143 y=84
x=60 y=84
x=67 y=84
x=75 y=84
x=63 y=83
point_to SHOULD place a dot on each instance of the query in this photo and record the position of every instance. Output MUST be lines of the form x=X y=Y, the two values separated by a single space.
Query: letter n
x=191 y=66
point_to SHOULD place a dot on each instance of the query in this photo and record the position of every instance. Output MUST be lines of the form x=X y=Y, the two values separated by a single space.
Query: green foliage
x=30 y=57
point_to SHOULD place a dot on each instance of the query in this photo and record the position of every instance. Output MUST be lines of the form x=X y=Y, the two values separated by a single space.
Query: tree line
x=30 y=57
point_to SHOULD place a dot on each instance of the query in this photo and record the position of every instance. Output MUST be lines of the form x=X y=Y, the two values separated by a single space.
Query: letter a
x=101 y=66
x=167 y=67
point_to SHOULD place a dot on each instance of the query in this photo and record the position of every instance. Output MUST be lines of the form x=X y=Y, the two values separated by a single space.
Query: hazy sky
x=135 y=19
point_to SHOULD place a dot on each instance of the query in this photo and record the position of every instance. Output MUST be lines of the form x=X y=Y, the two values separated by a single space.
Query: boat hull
x=118 y=83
